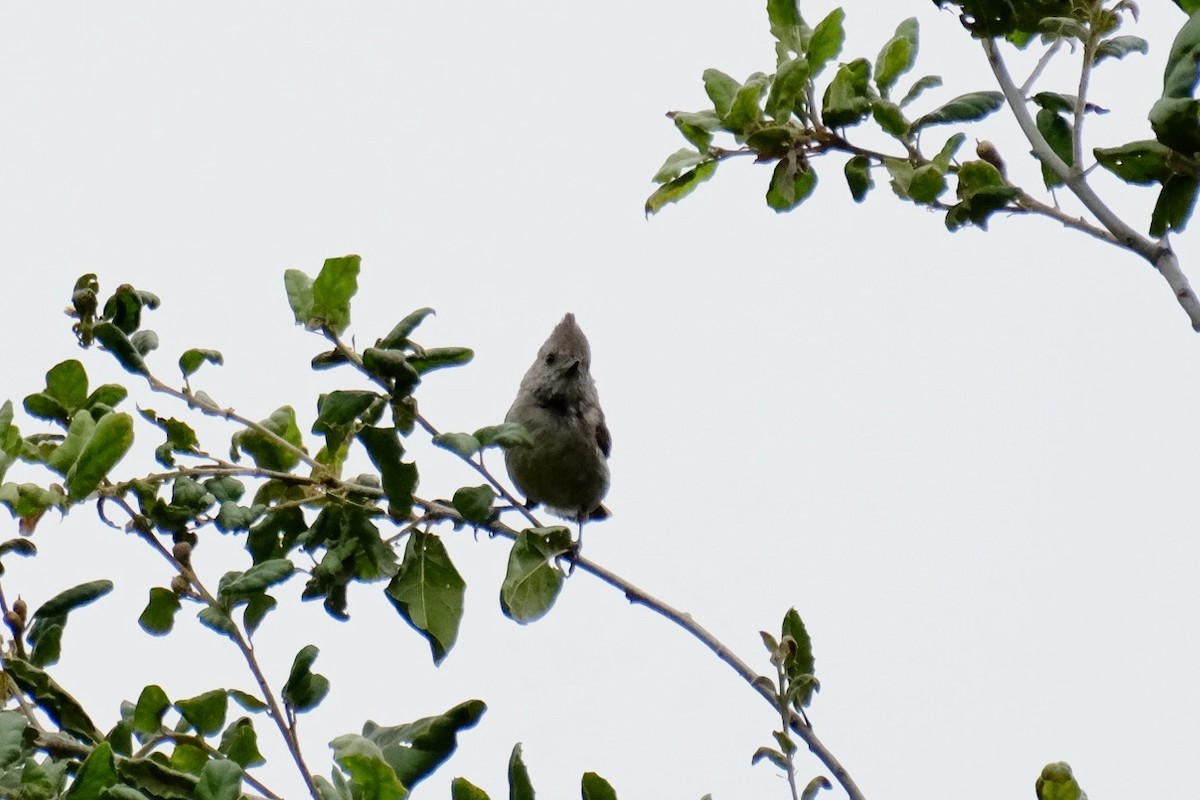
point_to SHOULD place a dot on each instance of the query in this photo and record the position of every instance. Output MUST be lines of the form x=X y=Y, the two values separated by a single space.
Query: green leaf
x=47 y=644
x=225 y=488
x=745 y=110
x=116 y=342
x=76 y=597
x=596 y=788
x=919 y=88
x=1057 y=132
x=392 y=365
x=399 y=477
x=124 y=308
x=28 y=501
x=418 y=748
x=158 y=618
x=784 y=13
x=826 y=42
x=801 y=663
x=676 y=163
x=13 y=747
x=428 y=592
x=67 y=382
x=256 y=580
x=532 y=583
x=180 y=437
x=239 y=743
x=890 y=118
x=792 y=183
x=786 y=24
x=11 y=444
x=927 y=184
x=697 y=127
x=256 y=611
x=248 y=701
x=219 y=780
x=440 y=358
x=897 y=56
x=721 y=89
x=305 y=689
x=158 y=779
x=847 y=99
x=1175 y=204
x=144 y=342
x=96 y=774
x=506 y=434
x=266 y=451
x=770 y=754
x=462 y=789
x=814 y=787
x=216 y=619
x=1056 y=102
x=1179 y=78
x=331 y=292
x=946 y=154
x=679 y=188
x=21 y=547
x=43 y=406
x=858 y=177
x=192 y=360
x=108 y=395
x=370 y=776
x=79 y=433
x=519 y=785
x=1176 y=123
x=300 y=294
x=61 y=707
x=109 y=443
x=1058 y=783
x=463 y=444
x=205 y=712
x=1142 y=162
x=788 y=89
x=964 y=108
x=474 y=502
x=148 y=714
x=398 y=337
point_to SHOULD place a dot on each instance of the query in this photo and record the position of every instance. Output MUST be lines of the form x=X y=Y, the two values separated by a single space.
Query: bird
x=565 y=464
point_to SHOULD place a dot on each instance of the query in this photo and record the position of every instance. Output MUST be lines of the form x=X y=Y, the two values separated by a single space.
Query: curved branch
x=1158 y=254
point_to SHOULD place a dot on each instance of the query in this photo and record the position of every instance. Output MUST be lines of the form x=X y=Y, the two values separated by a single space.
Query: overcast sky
x=967 y=459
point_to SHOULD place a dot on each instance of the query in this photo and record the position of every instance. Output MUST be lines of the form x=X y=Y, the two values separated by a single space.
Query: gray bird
x=566 y=467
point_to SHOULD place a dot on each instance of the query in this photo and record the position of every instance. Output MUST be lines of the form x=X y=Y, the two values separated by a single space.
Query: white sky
x=966 y=459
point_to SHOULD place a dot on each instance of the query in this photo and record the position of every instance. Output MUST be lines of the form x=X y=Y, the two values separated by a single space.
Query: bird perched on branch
x=566 y=466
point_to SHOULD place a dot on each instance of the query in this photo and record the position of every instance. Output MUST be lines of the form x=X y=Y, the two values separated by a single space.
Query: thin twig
x=1041 y=65
x=781 y=697
x=213 y=410
x=1085 y=73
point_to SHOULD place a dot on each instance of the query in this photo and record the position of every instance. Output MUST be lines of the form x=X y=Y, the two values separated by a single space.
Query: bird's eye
x=551 y=358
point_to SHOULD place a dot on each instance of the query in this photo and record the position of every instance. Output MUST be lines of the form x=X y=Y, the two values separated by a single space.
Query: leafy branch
x=776 y=118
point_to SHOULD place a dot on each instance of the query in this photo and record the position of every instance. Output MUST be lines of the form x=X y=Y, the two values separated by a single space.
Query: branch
x=1085 y=73
x=1051 y=51
x=206 y=406
x=685 y=621
x=1158 y=254
x=142 y=527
